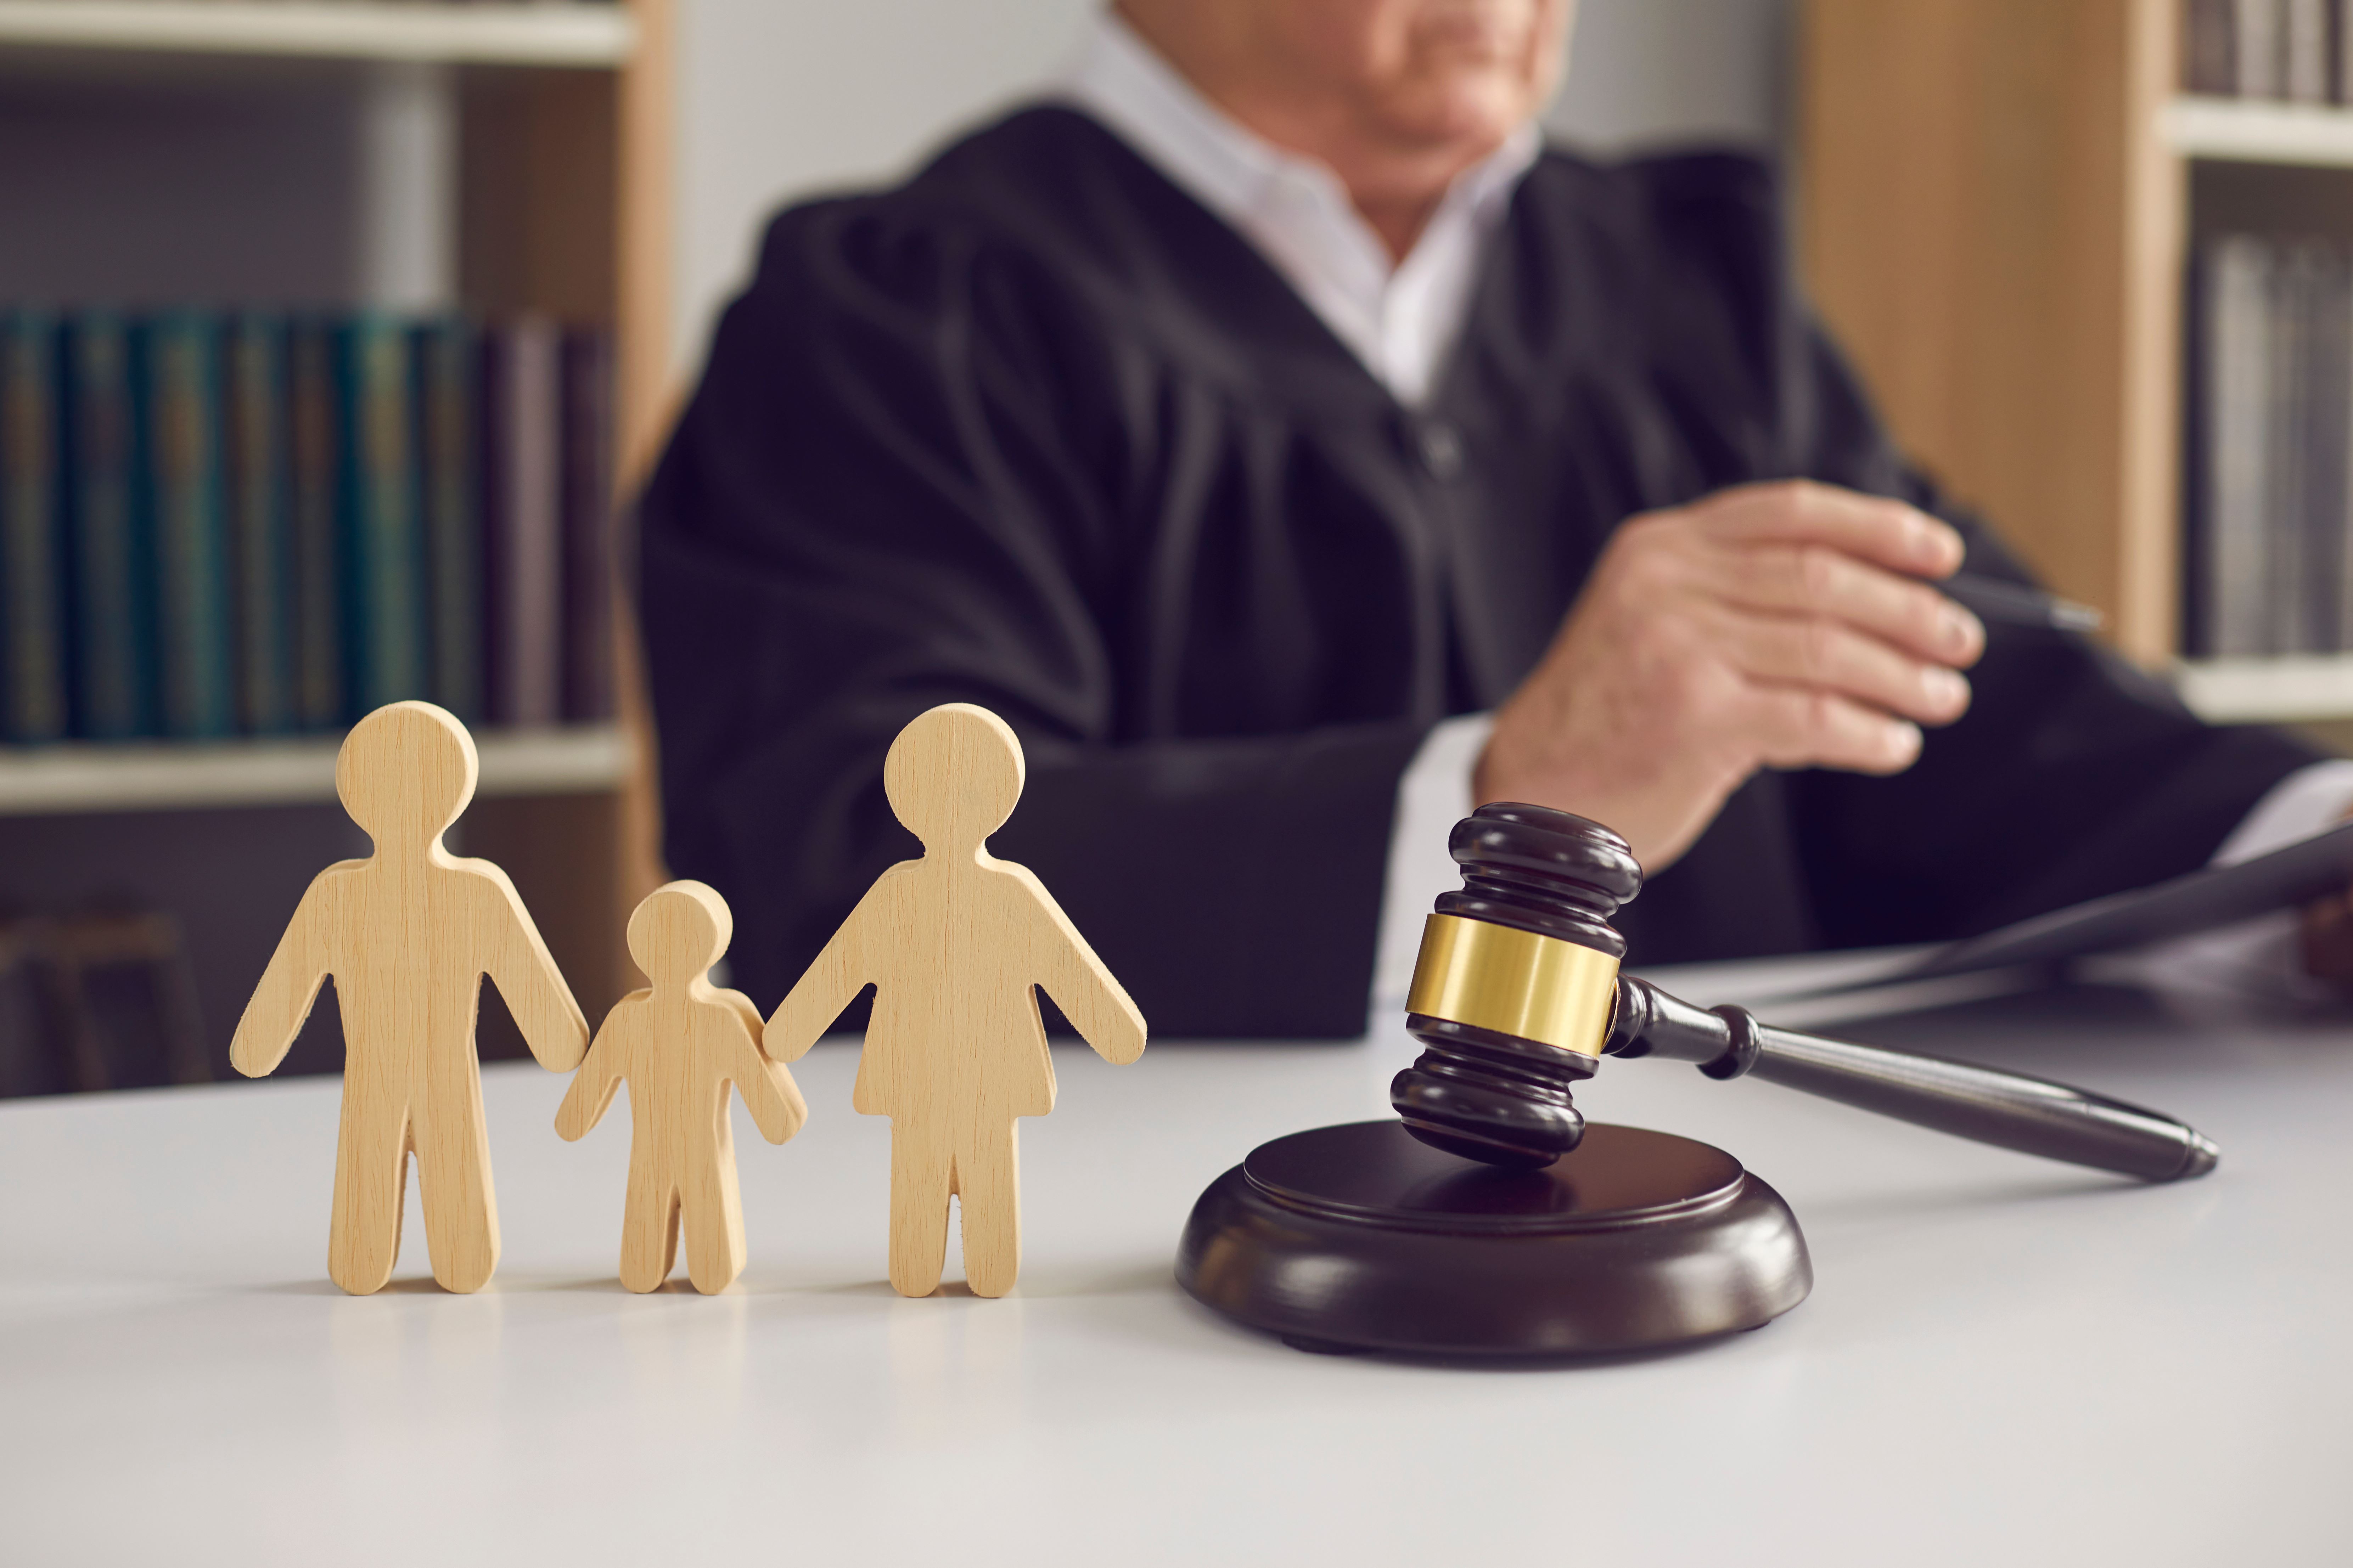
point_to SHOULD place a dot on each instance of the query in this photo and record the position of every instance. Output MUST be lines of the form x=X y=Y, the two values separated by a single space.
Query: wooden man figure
x=680 y=1044
x=408 y=934
x=954 y=944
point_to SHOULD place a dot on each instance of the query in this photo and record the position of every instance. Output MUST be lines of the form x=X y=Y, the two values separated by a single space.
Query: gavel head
x=1514 y=991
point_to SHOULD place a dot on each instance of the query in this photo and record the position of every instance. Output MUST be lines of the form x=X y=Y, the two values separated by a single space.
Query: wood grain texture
x=1993 y=226
x=955 y=944
x=409 y=933
x=679 y=1044
x=647 y=393
x=538 y=186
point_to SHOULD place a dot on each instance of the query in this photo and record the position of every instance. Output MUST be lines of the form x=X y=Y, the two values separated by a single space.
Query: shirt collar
x=1122 y=82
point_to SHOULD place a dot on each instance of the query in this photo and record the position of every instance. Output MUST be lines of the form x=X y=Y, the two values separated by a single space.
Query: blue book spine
x=448 y=430
x=260 y=538
x=195 y=657
x=383 y=529
x=314 y=503
x=33 y=704
x=107 y=556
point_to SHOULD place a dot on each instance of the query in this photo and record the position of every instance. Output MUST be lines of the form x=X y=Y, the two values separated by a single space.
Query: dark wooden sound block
x=1358 y=1238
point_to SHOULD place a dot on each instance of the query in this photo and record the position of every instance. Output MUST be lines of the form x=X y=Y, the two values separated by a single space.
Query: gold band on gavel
x=1515 y=982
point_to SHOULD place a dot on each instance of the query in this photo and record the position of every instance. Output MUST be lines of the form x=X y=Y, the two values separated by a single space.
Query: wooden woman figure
x=408 y=934
x=680 y=1044
x=955 y=944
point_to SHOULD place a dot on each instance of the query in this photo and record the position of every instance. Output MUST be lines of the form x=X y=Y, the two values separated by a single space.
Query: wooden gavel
x=1518 y=996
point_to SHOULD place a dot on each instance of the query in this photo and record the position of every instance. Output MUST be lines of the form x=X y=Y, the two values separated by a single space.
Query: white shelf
x=51 y=780
x=521 y=35
x=2261 y=690
x=2252 y=131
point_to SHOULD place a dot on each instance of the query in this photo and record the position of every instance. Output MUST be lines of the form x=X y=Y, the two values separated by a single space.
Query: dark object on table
x=2198 y=900
x=1358 y=1238
x=1546 y=1236
x=1518 y=996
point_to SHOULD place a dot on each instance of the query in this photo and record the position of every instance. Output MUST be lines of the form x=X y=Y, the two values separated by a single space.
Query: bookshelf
x=2288 y=690
x=1997 y=201
x=2229 y=130
x=79 y=777
x=552 y=197
x=574 y=36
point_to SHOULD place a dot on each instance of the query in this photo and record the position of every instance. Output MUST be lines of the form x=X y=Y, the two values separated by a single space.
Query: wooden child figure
x=408 y=934
x=680 y=1044
x=954 y=944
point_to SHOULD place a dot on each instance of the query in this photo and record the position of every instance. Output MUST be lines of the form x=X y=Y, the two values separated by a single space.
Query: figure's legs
x=453 y=1177
x=989 y=1185
x=649 y=1235
x=715 y=1225
x=371 y=1181
x=922 y=1155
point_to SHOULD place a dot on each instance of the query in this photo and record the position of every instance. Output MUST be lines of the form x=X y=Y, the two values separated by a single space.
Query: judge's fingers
x=2327 y=941
x=1886 y=532
x=1815 y=580
x=1823 y=655
x=1798 y=726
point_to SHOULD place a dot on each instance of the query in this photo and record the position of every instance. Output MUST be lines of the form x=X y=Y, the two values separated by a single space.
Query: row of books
x=216 y=525
x=2298 y=51
x=2270 y=448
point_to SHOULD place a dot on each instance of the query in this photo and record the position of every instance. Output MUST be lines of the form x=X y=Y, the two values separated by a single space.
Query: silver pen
x=2017 y=605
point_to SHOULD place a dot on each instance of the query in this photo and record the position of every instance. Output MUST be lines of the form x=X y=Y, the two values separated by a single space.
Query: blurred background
x=334 y=335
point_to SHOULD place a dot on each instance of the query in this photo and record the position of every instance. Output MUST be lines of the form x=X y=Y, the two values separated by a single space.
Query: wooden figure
x=408 y=934
x=680 y=1043
x=955 y=944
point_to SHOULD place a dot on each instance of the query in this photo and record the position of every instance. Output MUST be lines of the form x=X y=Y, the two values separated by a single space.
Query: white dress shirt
x=1401 y=320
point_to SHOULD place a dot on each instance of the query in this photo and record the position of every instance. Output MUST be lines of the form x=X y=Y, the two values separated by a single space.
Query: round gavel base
x=1359 y=1237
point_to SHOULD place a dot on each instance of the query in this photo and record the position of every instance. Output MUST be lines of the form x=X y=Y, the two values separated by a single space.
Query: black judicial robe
x=1036 y=431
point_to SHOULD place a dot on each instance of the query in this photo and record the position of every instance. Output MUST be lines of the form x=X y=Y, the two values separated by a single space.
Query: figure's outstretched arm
x=520 y=966
x=828 y=986
x=289 y=987
x=768 y=1089
x=593 y=1087
x=1096 y=1004
x=743 y=1007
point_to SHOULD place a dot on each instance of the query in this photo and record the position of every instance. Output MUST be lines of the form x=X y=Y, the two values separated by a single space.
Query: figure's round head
x=680 y=932
x=406 y=773
x=953 y=775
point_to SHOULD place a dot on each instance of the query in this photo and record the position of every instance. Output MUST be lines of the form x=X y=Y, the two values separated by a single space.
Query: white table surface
x=2004 y=1360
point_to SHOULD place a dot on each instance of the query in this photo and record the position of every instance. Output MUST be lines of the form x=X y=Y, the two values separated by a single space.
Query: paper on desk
x=1831 y=987
x=1815 y=990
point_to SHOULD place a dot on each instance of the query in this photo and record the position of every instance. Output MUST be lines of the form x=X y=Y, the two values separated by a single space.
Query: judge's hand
x=2327 y=937
x=1777 y=624
x=2329 y=940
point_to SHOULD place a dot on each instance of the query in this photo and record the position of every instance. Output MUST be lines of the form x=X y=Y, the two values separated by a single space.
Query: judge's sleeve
x=2073 y=774
x=887 y=494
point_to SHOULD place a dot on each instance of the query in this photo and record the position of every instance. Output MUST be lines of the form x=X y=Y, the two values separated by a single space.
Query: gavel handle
x=2027 y=1114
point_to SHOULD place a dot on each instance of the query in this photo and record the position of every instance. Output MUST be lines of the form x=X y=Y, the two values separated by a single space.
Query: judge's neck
x=1395 y=210
x=1394 y=180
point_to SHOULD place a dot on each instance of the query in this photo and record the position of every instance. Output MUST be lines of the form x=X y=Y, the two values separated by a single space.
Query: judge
x=1297 y=452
